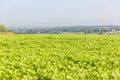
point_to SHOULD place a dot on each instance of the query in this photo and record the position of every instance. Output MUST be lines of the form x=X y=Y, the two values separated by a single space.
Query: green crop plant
x=59 y=57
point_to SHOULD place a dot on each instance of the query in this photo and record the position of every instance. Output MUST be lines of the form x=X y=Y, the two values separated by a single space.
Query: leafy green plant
x=59 y=57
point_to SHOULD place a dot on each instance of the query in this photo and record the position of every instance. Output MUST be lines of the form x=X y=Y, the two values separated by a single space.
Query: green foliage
x=59 y=57
x=3 y=28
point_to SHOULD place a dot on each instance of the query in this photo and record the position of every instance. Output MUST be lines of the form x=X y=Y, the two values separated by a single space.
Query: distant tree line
x=71 y=29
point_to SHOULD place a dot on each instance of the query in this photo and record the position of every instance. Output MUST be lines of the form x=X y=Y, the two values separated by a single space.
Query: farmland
x=59 y=57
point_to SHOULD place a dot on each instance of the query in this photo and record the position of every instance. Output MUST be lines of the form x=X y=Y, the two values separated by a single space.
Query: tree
x=3 y=28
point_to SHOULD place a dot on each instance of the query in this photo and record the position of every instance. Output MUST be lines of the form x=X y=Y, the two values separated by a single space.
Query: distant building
x=113 y=30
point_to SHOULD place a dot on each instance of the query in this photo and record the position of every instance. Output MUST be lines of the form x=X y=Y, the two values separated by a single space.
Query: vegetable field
x=59 y=57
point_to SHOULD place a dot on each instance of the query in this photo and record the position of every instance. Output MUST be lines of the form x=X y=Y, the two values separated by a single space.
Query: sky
x=59 y=12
